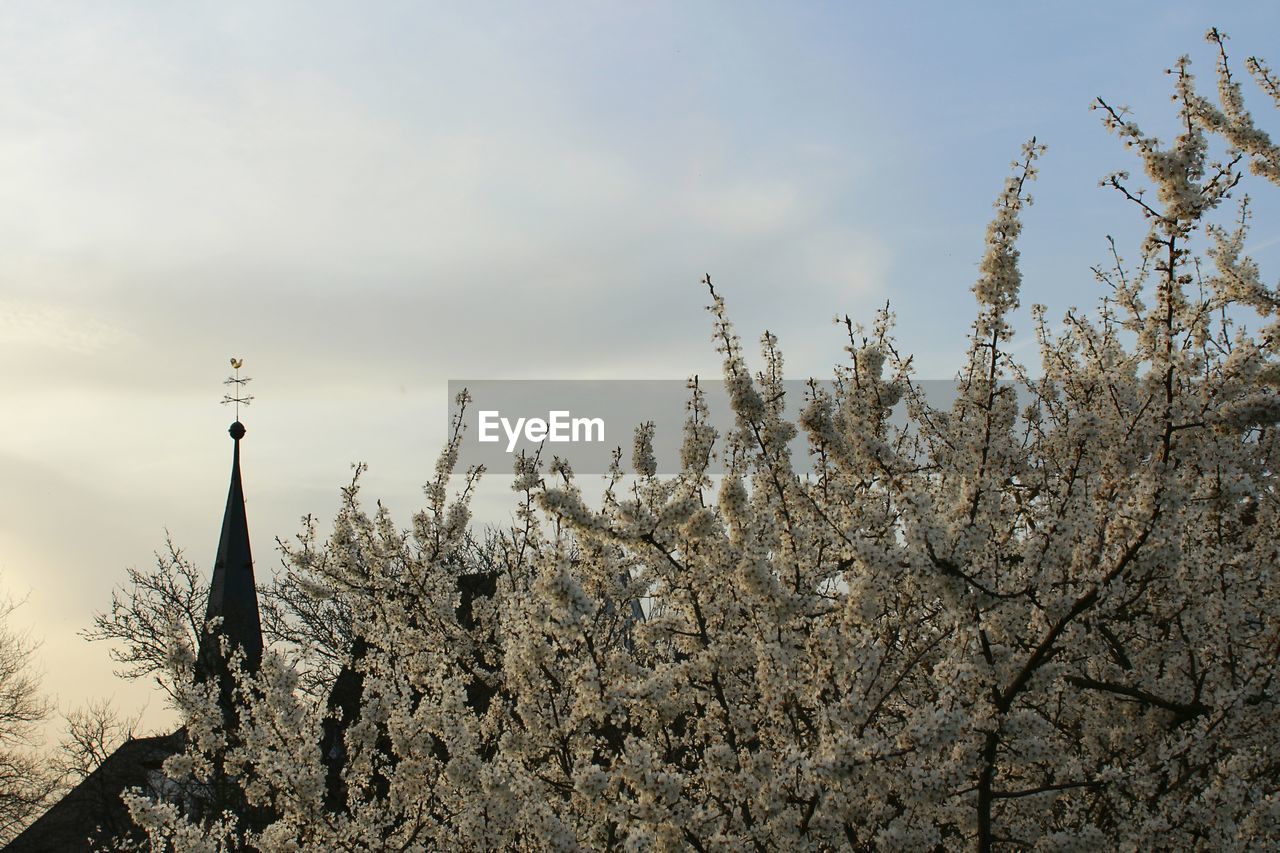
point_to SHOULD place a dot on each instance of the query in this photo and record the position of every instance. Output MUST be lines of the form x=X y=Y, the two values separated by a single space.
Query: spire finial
x=237 y=395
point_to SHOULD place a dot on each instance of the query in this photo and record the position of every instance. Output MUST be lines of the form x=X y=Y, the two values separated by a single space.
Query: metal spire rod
x=237 y=394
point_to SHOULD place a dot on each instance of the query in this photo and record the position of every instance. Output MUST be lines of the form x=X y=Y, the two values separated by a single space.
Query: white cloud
x=59 y=327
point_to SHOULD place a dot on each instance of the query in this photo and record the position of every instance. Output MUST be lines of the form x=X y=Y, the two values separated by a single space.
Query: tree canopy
x=1045 y=615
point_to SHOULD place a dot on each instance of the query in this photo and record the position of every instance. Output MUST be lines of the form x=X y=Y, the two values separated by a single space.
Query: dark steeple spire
x=233 y=595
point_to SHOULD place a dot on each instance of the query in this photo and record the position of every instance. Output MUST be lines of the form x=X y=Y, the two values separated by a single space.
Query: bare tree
x=157 y=609
x=94 y=731
x=160 y=609
x=26 y=780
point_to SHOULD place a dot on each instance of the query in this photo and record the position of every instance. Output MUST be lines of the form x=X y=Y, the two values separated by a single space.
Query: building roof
x=92 y=813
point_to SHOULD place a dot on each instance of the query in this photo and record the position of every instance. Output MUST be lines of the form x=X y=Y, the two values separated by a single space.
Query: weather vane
x=237 y=395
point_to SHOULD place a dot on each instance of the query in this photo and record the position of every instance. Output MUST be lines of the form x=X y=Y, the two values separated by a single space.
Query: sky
x=366 y=200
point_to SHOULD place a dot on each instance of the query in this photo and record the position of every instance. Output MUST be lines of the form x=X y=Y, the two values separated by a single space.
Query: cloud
x=57 y=327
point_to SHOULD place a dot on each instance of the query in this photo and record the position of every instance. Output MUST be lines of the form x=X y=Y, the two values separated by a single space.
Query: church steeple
x=233 y=594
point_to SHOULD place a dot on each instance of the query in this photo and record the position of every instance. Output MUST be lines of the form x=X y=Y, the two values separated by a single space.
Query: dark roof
x=233 y=595
x=92 y=813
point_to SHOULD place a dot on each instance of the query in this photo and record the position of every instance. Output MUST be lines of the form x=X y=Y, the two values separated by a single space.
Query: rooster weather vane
x=238 y=393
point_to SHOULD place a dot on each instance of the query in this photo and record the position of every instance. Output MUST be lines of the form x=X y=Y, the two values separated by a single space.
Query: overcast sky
x=365 y=200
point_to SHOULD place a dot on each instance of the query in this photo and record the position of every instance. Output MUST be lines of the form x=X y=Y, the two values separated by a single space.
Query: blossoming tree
x=1037 y=618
